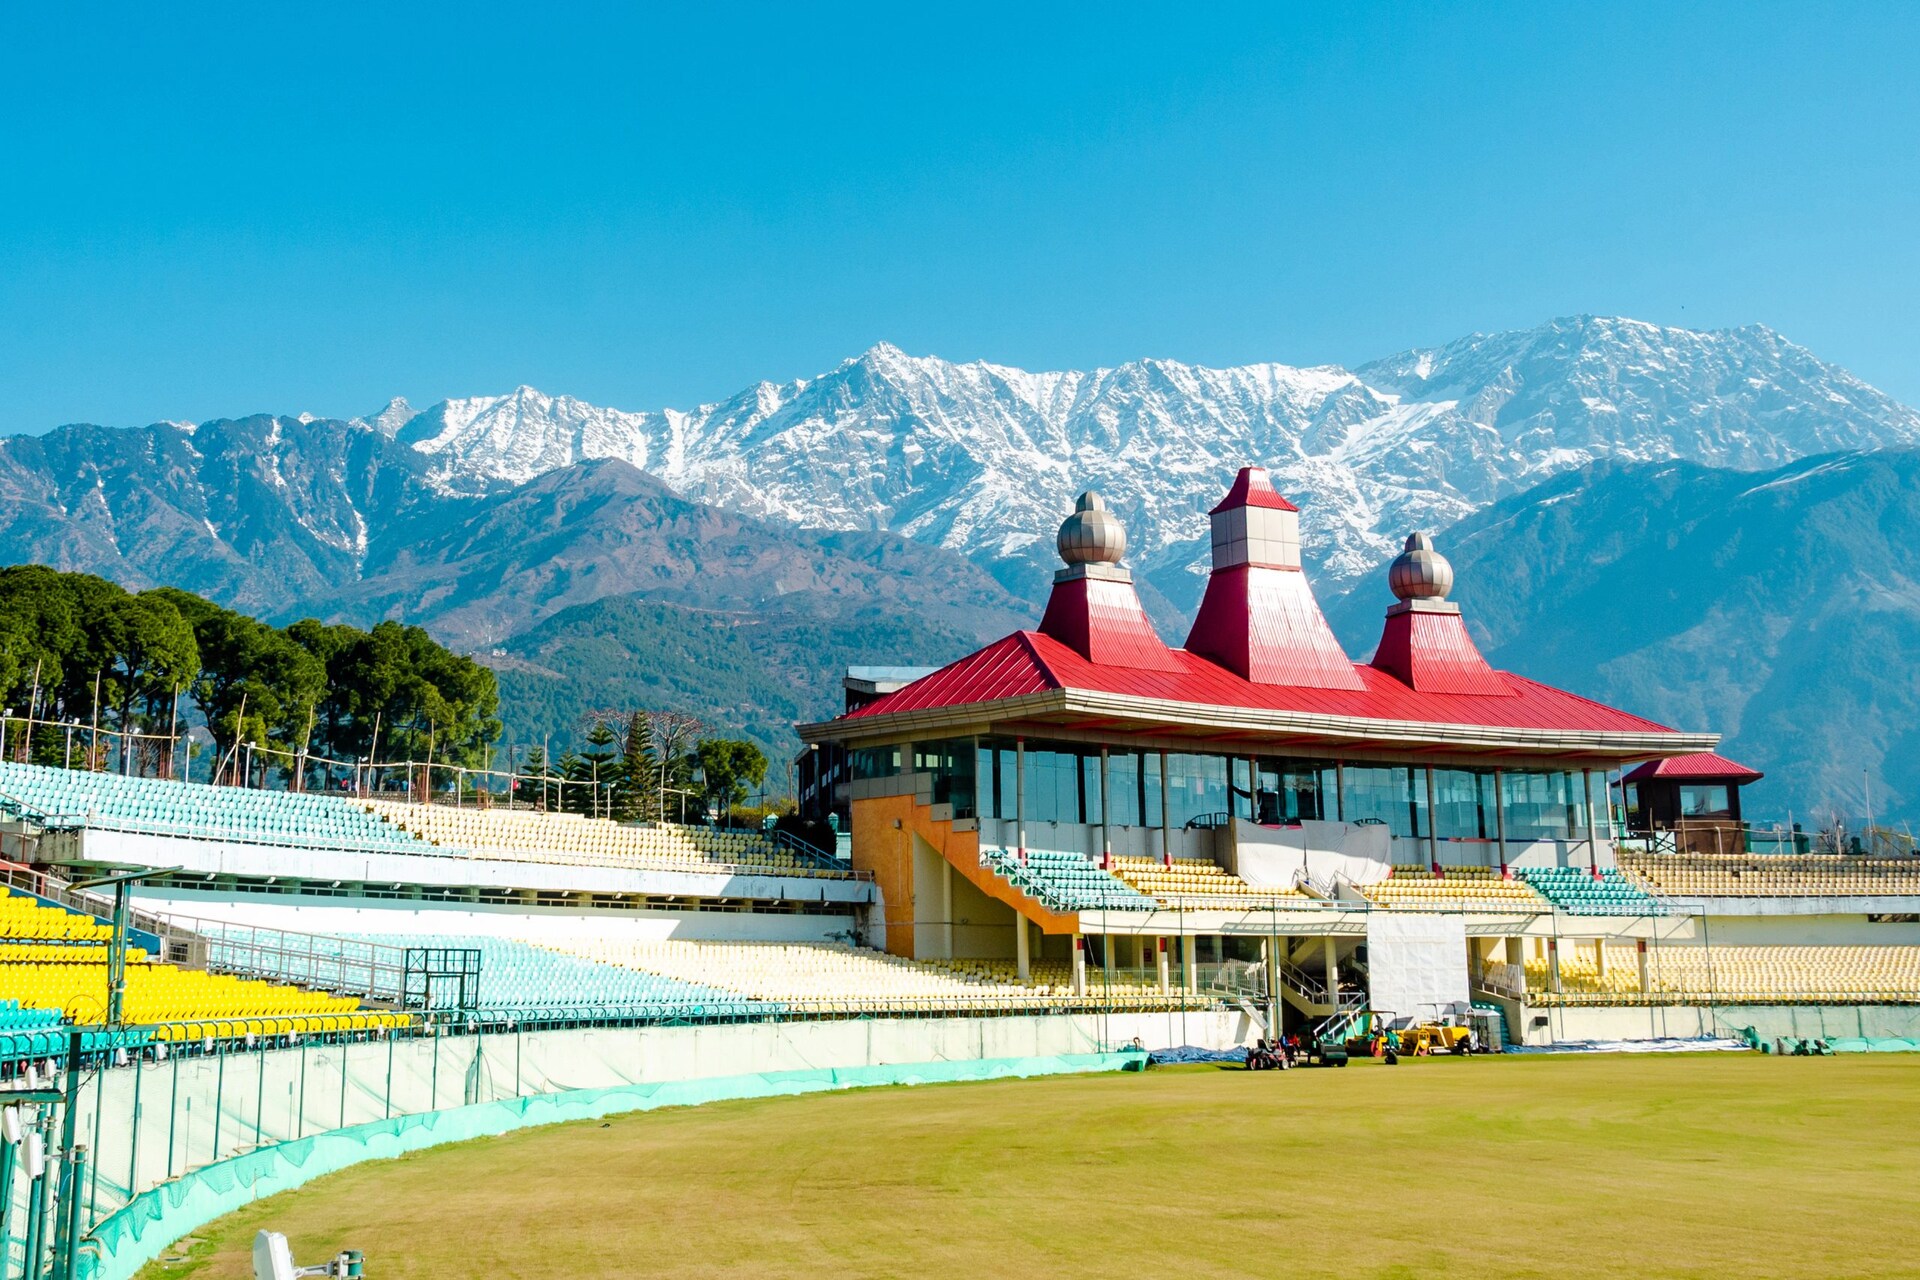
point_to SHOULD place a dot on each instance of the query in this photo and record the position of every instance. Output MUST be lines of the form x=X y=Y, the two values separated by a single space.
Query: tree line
x=79 y=650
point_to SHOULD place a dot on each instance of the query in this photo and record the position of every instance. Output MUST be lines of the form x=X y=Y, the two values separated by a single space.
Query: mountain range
x=898 y=508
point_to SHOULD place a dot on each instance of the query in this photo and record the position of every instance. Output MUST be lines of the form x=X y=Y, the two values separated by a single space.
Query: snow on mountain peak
x=982 y=458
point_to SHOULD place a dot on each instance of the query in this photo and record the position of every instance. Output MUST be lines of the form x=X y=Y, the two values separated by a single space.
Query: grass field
x=1694 y=1165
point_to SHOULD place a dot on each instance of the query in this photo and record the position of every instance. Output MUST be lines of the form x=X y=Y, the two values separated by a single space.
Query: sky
x=271 y=208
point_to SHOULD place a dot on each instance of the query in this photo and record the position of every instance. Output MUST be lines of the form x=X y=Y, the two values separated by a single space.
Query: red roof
x=1263 y=623
x=1706 y=766
x=1027 y=662
x=1253 y=488
x=1101 y=619
x=1433 y=653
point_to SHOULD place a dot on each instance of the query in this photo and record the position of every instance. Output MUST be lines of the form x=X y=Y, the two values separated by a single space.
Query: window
x=1386 y=793
x=1705 y=800
x=1543 y=806
x=1291 y=791
x=1196 y=785
x=1124 y=789
x=876 y=762
x=951 y=762
x=1462 y=804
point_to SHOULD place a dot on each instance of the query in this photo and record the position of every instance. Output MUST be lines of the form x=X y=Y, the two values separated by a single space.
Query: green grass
x=1695 y=1165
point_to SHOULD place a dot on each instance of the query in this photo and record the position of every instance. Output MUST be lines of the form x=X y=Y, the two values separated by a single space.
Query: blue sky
x=269 y=208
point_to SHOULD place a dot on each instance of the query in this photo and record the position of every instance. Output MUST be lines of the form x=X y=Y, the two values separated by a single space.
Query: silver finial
x=1420 y=572
x=1092 y=534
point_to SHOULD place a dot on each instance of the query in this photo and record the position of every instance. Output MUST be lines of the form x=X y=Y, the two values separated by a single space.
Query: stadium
x=1069 y=853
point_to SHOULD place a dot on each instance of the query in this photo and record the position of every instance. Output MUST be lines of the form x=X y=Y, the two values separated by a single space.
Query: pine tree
x=572 y=798
x=534 y=787
x=599 y=767
x=637 y=796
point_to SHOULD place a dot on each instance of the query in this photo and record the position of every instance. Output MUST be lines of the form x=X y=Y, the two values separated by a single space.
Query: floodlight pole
x=117 y=948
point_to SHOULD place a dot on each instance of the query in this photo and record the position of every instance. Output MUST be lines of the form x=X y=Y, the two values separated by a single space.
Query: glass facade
x=978 y=778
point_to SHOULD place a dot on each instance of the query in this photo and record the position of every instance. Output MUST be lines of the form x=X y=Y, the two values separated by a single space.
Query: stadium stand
x=161 y=993
x=1201 y=882
x=1065 y=881
x=1055 y=978
x=23 y=916
x=1576 y=892
x=1751 y=974
x=196 y=811
x=521 y=978
x=521 y=835
x=794 y=973
x=1460 y=889
x=1712 y=875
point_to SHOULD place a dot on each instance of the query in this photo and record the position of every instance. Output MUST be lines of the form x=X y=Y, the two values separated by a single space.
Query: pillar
x=1106 y=817
x=1079 y=964
x=1553 y=965
x=1517 y=953
x=1022 y=963
x=1020 y=797
x=1160 y=952
x=1166 y=816
x=946 y=907
x=1189 y=963
x=1586 y=801
x=1433 y=827
x=1333 y=976
x=1600 y=957
x=1640 y=948
x=1339 y=791
x=1267 y=954
x=1500 y=822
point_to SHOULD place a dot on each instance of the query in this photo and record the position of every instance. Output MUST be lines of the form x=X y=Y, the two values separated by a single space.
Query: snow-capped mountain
x=983 y=458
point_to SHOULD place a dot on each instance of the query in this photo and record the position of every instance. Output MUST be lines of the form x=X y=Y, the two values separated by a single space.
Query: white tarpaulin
x=1317 y=851
x=1416 y=962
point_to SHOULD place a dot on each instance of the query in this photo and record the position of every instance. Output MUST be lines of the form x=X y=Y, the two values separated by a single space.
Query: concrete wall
x=1692 y=1021
x=331 y=915
x=218 y=857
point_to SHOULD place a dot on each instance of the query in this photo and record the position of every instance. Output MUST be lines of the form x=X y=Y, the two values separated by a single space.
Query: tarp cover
x=1416 y=962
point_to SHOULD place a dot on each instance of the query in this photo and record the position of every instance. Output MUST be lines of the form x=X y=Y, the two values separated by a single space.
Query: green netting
x=129 y=1239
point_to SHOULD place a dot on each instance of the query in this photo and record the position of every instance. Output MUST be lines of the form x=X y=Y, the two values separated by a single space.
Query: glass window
x=1290 y=791
x=1542 y=806
x=1462 y=803
x=1123 y=789
x=1705 y=800
x=1150 y=814
x=1385 y=793
x=951 y=763
x=1196 y=786
x=1054 y=782
x=1090 y=787
x=876 y=762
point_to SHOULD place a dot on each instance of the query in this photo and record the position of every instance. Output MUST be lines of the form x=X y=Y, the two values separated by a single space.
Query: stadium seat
x=1063 y=880
x=1479 y=889
x=1575 y=891
x=1738 y=875
x=1202 y=883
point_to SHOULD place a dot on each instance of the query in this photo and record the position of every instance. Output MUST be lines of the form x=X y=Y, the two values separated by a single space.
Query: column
x=1160 y=952
x=1020 y=797
x=1500 y=820
x=1340 y=791
x=1553 y=965
x=1333 y=976
x=1641 y=948
x=1021 y=962
x=1600 y=957
x=946 y=906
x=1517 y=960
x=1433 y=826
x=1189 y=962
x=1106 y=817
x=1586 y=801
x=1268 y=948
x=1079 y=964
x=1166 y=816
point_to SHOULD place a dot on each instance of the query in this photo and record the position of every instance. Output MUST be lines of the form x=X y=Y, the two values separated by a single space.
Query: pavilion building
x=1084 y=795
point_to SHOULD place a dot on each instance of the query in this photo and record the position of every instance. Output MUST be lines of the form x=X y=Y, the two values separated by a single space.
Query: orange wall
x=886 y=850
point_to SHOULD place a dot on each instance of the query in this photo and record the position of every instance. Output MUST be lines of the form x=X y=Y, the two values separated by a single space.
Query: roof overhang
x=1126 y=715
